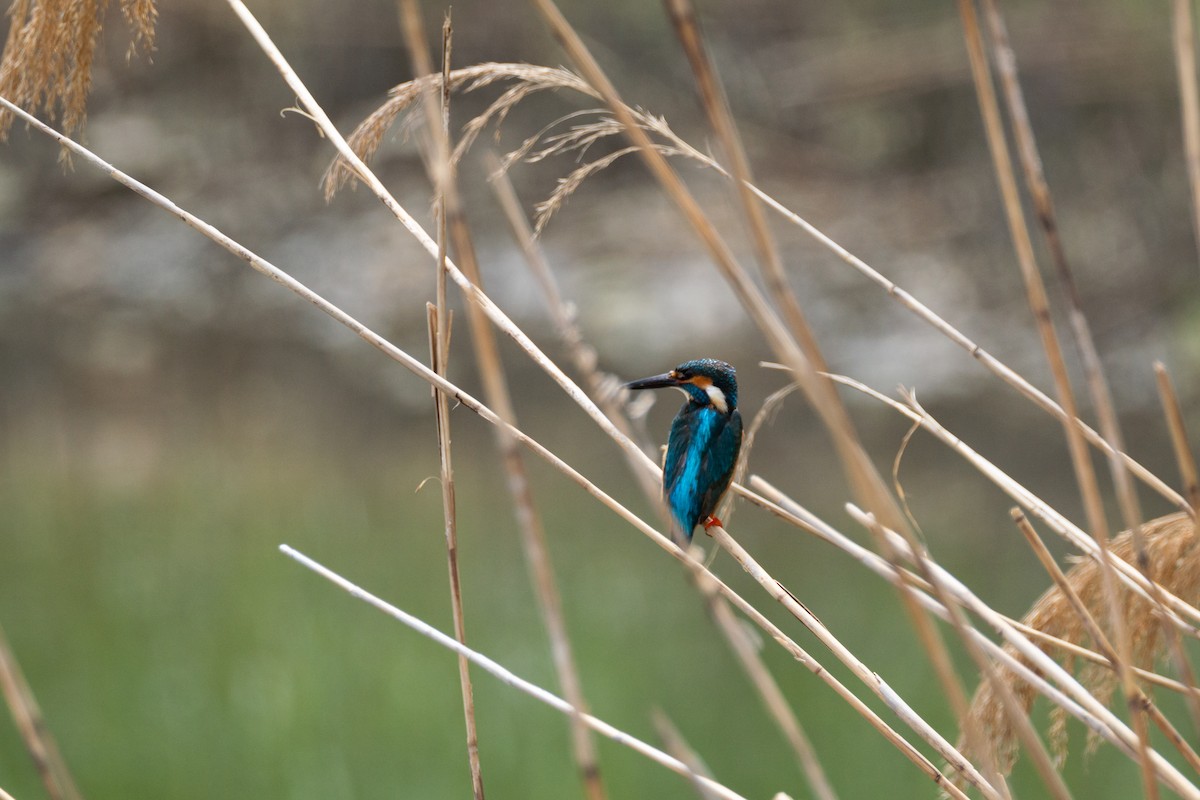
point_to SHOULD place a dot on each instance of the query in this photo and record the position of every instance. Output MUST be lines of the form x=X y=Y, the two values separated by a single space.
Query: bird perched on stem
x=705 y=439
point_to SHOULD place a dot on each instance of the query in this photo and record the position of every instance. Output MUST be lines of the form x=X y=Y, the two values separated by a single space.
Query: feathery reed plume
x=1171 y=546
x=48 y=55
x=526 y=79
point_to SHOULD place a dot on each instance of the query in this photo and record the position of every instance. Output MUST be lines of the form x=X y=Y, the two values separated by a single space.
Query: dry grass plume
x=1171 y=545
x=50 y=50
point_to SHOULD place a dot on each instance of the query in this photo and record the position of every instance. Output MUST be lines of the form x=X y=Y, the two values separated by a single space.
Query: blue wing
x=701 y=454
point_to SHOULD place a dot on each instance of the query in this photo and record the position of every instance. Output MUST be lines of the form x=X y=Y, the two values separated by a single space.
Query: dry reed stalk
x=678 y=747
x=1078 y=697
x=716 y=106
x=1035 y=290
x=1183 y=40
x=801 y=357
x=860 y=473
x=1179 y=439
x=501 y=320
x=49 y=51
x=775 y=502
x=972 y=734
x=32 y=727
x=413 y=365
x=1067 y=611
x=1017 y=716
x=868 y=677
x=977 y=352
x=1188 y=582
x=437 y=350
x=599 y=385
x=1039 y=190
x=1174 y=608
x=5 y=795
x=768 y=689
x=536 y=551
x=499 y=398
x=1097 y=635
x=934 y=645
x=507 y=676
x=540 y=78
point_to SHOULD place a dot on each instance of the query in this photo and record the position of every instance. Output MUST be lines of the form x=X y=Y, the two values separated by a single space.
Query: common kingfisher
x=704 y=442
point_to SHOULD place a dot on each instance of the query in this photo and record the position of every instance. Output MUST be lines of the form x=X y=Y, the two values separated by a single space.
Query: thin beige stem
x=31 y=725
x=859 y=470
x=529 y=522
x=785 y=508
x=496 y=390
x=1093 y=628
x=508 y=677
x=1125 y=572
x=437 y=349
x=1179 y=438
x=413 y=365
x=716 y=105
x=935 y=648
x=679 y=748
x=1111 y=727
x=768 y=689
x=1183 y=39
x=1085 y=475
x=1031 y=277
x=1017 y=715
x=870 y=678
x=584 y=358
x=1035 y=180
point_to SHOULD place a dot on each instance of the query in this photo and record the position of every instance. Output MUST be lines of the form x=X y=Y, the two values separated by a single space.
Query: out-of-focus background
x=168 y=417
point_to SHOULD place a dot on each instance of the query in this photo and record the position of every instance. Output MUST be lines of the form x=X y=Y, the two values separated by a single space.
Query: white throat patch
x=717 y=398
x=715 y=395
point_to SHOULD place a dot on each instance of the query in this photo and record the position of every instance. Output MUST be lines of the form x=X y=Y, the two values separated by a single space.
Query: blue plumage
x=705 y=439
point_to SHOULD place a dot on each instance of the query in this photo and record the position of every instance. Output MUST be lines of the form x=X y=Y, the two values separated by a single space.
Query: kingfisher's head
x=706 y=382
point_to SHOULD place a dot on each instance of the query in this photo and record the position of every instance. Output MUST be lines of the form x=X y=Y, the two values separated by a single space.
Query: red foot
x=711 y=521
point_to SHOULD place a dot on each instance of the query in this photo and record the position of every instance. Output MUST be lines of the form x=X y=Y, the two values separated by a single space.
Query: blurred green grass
x=177 y=654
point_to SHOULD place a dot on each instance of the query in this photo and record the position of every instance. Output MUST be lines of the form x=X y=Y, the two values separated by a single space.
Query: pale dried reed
x=526 y=79
x=48 y=55
x=1171 y=546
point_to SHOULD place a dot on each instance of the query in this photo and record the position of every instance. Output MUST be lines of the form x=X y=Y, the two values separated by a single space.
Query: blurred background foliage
x=167 y=417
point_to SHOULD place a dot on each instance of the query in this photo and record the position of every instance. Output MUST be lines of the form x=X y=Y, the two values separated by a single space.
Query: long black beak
x=654 y=382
